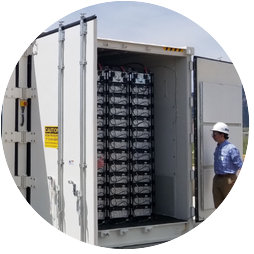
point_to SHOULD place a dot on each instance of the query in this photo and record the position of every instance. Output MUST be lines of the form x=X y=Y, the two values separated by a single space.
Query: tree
x=245 y=111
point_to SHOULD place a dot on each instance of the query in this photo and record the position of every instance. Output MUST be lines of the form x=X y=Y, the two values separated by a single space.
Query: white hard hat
x=220 y=127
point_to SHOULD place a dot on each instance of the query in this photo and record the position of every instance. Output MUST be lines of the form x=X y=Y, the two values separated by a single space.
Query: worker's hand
x=100 y=162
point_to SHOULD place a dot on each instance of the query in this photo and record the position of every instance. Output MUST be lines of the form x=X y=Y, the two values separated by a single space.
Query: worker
x=100 y=163
x=227 y=163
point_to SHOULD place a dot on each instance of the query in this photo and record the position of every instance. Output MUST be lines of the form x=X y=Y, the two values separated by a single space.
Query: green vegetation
x=245 y=144
x=245 y=139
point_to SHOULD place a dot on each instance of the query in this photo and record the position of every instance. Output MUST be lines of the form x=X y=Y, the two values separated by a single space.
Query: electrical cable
x=115 y=134
x=120 y=179
x=118 y=203
x=144 y=102
x=138 y=123
x=123 y=101
x=100 y=100
x=118 y=145
x=136 y=63
x=118 y=168
x=138 y=134
x=115 y=122
x=122 y=192
x=116 y=89
x=149 y=218
x=136 y=167
x=140 y=90
x=118 y=112
x=117 y=223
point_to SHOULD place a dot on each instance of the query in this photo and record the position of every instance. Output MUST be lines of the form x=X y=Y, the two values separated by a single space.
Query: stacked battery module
x=125 y=140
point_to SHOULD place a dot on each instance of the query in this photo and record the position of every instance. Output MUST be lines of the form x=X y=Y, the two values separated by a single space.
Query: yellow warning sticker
x=173 y=49
x=51 y=136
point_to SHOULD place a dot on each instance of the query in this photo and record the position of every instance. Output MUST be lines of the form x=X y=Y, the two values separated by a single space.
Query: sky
x=149 y=23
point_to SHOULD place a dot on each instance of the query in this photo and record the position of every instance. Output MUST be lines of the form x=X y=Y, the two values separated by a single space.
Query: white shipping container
x=53 y=88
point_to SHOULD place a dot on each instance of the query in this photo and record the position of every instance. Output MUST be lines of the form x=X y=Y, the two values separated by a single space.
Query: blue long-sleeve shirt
x=227 y=159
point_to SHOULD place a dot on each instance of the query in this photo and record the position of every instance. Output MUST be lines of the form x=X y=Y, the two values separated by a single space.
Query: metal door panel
x=218 y=98
x=46 y=78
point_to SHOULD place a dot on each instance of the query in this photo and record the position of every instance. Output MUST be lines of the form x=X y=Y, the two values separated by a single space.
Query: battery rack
x=118 y=145
x=125 y=140
x=101 y=142
x=141 y=143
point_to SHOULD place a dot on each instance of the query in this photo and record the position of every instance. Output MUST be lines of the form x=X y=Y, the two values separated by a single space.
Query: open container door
x=217 y=98
x=74 y=214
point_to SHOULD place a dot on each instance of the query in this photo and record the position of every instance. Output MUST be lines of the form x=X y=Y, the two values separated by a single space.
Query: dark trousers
x=222 y=185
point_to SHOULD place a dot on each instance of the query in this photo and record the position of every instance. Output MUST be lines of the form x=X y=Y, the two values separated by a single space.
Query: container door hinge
x=192 y=212
x=191 y=102
x=191 y=66
x=21 y=93
x=19 y=137
x=32 y=49
x=25 y=181
x=192 y=174
x=190 y=51
x=191 y=138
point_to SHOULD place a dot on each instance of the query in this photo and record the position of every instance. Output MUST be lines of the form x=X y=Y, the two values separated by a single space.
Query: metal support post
x=60 y=125
x=83 y=209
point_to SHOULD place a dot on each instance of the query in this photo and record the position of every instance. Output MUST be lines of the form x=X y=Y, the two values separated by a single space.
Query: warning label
x=51 y=136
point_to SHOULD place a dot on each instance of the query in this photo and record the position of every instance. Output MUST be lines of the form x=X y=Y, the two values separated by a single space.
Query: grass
x=245 y=139
x=245 y=143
